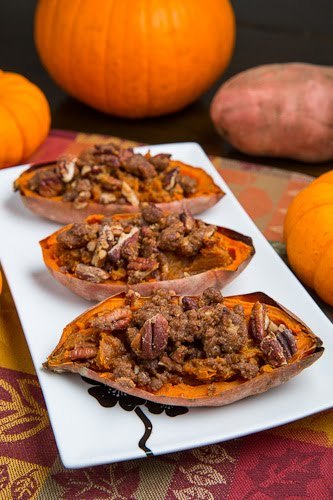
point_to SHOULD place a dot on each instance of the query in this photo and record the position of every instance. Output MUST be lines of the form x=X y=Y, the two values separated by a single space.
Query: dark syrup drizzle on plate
x=108 y=397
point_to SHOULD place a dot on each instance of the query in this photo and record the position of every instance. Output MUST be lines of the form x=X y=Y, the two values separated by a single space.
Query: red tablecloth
x=293 y=461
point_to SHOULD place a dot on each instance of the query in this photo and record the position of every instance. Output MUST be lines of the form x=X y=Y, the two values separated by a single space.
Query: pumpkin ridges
x=61 y=57
x=25 y=118
x=12 y=157
x=313 y=196
x=323 y=279
x=164 y=78
x=305 y=247
x=39 y=118
x=109 y=17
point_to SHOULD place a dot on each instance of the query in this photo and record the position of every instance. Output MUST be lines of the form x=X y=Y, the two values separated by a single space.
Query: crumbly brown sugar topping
x=138 y=248
x=109 y=173
x=171 y=339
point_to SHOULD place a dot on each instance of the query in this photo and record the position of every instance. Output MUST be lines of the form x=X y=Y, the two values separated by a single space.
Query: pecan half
x=82 y=353
x=259 y=321
x=273 y=351
x=287 y=341
x=118 y=319
x=47 y=183
x=90 y=273
x=154 y=337
x=129 y=194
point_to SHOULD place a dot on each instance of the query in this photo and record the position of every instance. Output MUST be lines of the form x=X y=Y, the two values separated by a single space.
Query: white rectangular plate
x=90 y=434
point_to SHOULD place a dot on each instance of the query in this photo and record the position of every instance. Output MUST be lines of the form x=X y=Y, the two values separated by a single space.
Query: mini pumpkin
x=24 y=118
x=308 y=233
x=135 y=59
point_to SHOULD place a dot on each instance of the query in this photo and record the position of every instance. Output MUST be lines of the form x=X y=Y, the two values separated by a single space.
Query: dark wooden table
x=267 y=32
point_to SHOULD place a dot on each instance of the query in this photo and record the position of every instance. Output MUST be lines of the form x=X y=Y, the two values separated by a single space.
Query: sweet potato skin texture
x=283 y=110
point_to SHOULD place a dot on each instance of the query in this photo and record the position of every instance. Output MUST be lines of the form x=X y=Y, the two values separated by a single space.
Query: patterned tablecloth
x=293 y=461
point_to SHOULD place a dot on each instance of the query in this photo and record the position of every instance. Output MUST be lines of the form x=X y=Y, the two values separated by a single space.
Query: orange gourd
x=24 y=118
x=135 y=58
x=308 y=233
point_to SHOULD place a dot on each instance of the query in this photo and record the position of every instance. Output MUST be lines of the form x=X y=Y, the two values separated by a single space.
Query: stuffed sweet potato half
x=192 y=350
x=104 y=256
x=108 y=179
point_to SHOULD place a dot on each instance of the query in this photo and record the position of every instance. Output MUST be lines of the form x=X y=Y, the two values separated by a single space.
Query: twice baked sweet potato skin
x=213 y=393
x=239 y=245
x=283 y=110
x=56 y=209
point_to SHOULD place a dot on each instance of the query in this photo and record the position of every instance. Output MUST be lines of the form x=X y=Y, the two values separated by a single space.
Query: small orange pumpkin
x=24 y=118
x=137 y=58
x=308 y=233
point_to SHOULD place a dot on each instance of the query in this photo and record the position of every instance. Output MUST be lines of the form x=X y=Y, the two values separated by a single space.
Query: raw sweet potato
x=283 y=110
x=187 y=351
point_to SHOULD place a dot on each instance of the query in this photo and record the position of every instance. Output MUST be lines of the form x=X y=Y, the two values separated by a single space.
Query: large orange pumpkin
x=24 y=118
x=135 y=58
x=308 y=232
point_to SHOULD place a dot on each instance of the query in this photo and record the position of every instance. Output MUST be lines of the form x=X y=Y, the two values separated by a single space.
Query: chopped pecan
x=273 y=350
x=151 y=213
x=154 y=337
x=259 y=321
x=160 y=161
x=67 y=169
x=125 y=154
x=163 y=265
x=90 y=273
x=170 y=179
x=140 y=166
x=85 y=170
x=106 y=148
x=107 y=198
x=287 y=341
x=115 y=252
x=213 y=296
x=171 y=237
x=189 y=184
x=108 y=182
x=129 y=194
x=102 y=247
x=131 y=247
x=118 y=319
x=77 y=236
